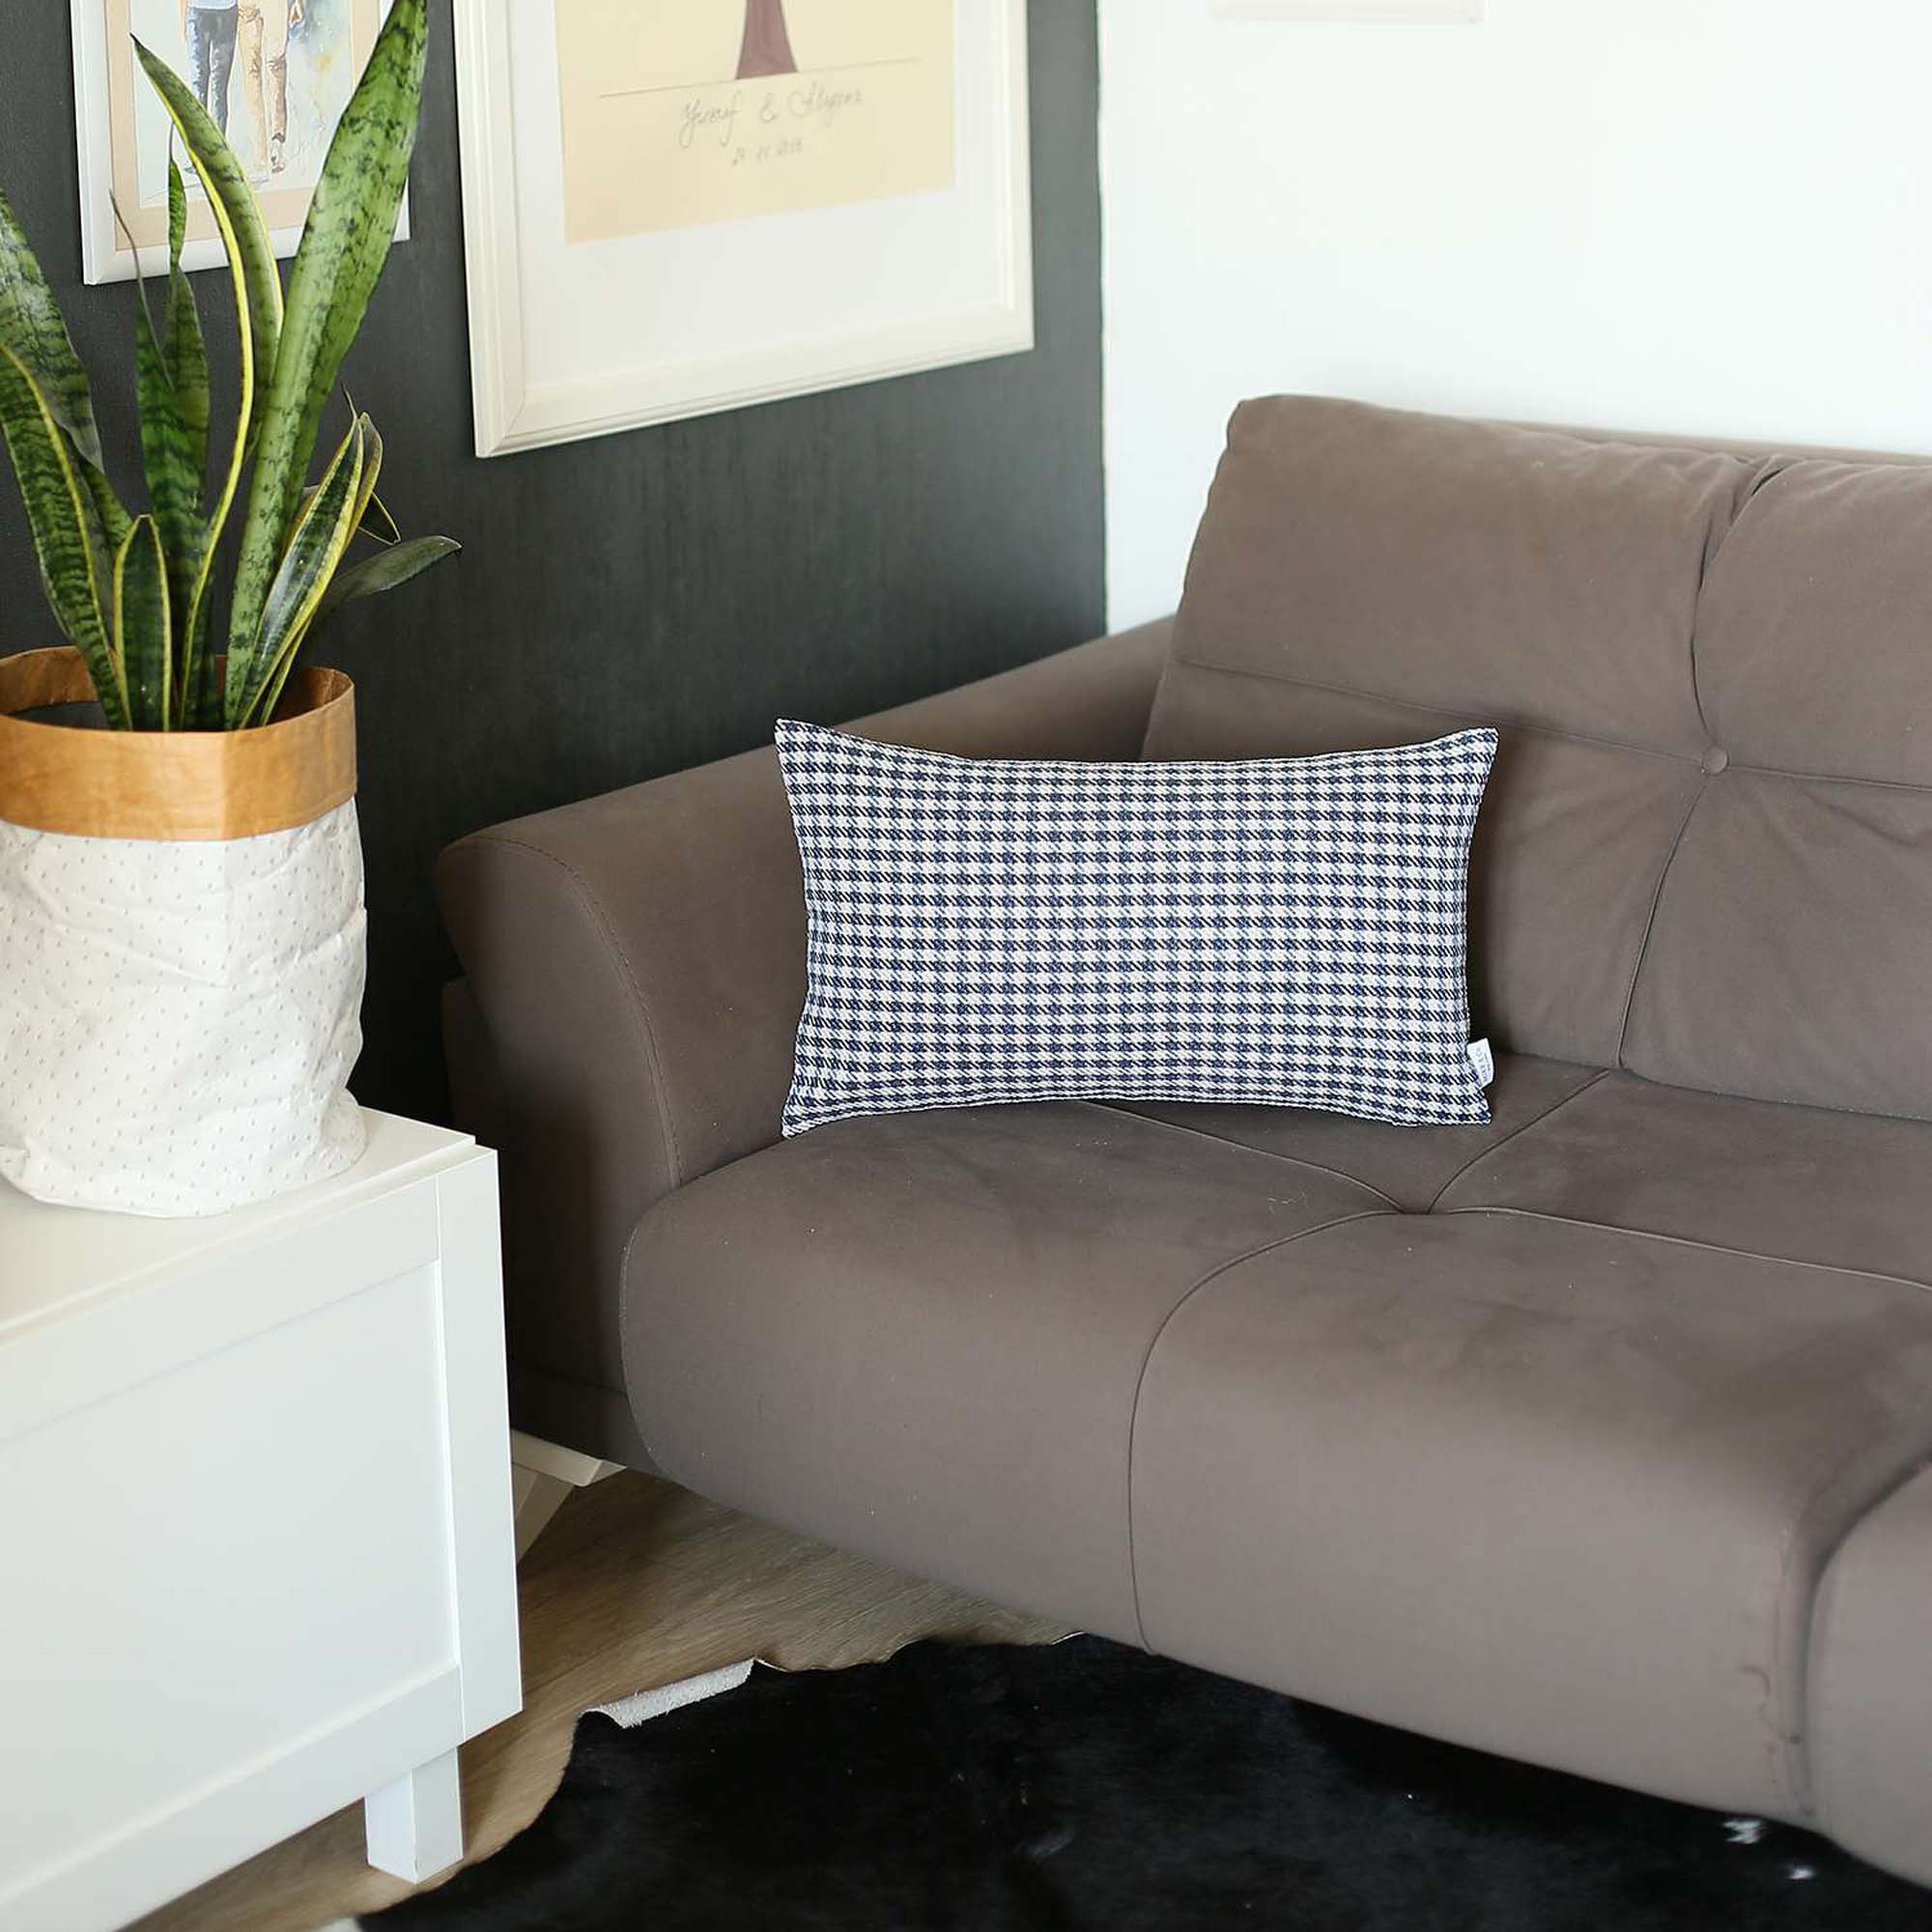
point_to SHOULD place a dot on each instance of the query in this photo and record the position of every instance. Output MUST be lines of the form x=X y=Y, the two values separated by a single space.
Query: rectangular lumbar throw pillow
x=1280 y=930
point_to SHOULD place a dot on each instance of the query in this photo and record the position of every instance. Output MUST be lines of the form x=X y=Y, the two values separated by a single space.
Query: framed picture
x=672 y=206
x=274 y=74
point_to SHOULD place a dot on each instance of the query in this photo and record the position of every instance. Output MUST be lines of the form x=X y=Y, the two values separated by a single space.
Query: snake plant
x=137 y=594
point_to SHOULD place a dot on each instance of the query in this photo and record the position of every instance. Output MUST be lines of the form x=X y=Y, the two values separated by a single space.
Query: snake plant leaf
x=251 y=259
x=32 y=327
x=376 y=523
x=143 y=629
x=177 y=210
x=388 y=568
x=367 y=520
x=65 y=525
x=174 y=483
x=200 y=681
x=345 y=246
x=315 y=548
x=31 y=324
x=258 y=311
x=110 y=520
x=186 y=353
x=372 y=468
x=186 y=538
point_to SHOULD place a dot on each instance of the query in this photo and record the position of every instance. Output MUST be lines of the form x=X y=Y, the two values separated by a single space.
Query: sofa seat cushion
x=1548 y=1488
x=1409 y=1168
x=1804 y=1183
x=920 y=1336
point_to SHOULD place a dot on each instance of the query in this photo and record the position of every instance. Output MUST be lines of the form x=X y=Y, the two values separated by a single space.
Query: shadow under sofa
x=1600 y=1436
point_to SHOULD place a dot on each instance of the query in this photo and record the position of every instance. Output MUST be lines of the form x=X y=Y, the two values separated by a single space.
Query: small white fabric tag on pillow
x=1483 y=1060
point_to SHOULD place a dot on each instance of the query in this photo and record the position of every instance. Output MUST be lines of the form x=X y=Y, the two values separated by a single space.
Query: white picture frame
x=947 y=275
x=116 y=133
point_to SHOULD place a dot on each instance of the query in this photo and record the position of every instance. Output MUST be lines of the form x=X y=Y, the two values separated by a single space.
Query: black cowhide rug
x=1084 y=1787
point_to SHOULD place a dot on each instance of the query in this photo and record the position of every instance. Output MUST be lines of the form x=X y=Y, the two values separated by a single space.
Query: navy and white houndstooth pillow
x=1283 y=931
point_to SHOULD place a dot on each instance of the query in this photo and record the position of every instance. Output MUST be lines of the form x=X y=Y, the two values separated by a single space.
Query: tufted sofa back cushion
x=1706 y=853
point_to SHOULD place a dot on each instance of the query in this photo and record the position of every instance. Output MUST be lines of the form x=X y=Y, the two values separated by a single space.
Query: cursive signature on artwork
x=708 y=120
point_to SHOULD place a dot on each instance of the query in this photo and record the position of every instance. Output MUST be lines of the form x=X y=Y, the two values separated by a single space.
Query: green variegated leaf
x=32 y=328
x=375 y=521
x=177 y=210
x=258 y=311
x=174 y=486
x=251 y=258
x=378 y=523
x=183 y=350
x=368 y=511
x=384 y=571
x=143 y=630
x=110 y=520
x=197 y=691
x=65 y=527
x=372 y=468
x=201 y=680
x=315 y=548
x=352 y=222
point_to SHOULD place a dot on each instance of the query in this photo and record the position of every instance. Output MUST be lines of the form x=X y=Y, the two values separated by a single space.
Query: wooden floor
x=634 y=1584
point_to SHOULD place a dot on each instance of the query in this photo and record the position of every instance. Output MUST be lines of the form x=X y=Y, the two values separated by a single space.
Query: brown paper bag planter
x=181 y=949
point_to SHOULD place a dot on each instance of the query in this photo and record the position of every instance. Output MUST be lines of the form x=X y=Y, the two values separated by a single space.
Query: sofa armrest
x=638 y=965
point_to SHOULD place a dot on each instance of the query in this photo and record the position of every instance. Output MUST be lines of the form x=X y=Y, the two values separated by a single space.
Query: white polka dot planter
x=181 y=949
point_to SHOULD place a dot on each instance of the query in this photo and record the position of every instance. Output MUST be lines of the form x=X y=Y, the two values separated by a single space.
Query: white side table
x=255 y=1545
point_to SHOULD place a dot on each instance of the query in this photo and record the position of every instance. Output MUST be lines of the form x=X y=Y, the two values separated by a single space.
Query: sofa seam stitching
x=1557 y=731
x=1555 y=1106
x=1650 y=921
x=640 y=1006
x=1753 y=481
x=1828 y=778
x=1442 y=711
x=1213 y=1274
x=1690 y=1241
x=1243 y=1147
x=1718 y=539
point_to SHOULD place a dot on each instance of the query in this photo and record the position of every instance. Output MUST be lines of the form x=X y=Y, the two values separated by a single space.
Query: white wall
x=1699 y=216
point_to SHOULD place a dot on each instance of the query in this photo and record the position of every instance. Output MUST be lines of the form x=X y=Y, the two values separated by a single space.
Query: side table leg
x=415 y=1825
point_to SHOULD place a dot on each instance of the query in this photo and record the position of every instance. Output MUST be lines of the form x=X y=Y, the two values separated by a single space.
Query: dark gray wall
x=633 y=604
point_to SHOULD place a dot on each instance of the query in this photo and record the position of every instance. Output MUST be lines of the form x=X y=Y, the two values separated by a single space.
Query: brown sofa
x=1600 y=1436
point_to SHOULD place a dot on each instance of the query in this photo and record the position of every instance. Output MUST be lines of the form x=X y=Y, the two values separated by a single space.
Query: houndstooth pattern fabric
x=1281 y=930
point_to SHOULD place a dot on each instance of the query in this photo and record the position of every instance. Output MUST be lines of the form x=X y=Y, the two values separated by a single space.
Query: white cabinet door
x=255 y=1549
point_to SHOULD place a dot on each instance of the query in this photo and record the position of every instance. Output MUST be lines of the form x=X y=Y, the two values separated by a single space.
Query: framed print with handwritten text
x=673 y=207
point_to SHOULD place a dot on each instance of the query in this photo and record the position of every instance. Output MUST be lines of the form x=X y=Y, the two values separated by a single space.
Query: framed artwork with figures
x=672 y=206
x=275 y=74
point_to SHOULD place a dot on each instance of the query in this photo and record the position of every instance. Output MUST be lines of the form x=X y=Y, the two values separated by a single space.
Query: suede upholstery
x=636 y=965
x=1600 y=1436
x=983 y=1427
